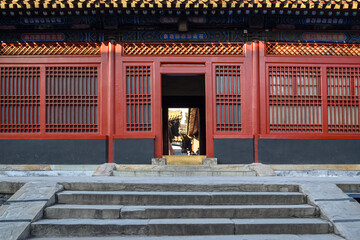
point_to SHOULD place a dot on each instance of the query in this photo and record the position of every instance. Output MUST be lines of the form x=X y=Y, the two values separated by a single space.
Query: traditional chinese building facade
x=88 y=82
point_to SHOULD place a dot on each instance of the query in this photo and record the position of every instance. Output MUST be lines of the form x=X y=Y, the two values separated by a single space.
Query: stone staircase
x=183 y=210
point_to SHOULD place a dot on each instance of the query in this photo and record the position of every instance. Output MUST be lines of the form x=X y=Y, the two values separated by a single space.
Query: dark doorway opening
x=183 y=133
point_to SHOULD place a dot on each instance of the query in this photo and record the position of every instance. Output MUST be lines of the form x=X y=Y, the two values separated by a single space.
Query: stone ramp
x=145 y=210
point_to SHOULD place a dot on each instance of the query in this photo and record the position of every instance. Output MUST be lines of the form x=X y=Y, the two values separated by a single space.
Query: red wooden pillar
x=209 y=109
x=111 y=99
x=157 y=109
x=255 y=97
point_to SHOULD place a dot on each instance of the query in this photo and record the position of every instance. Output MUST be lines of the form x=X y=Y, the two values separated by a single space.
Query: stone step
x=181 y=187
x=177 y=227
x=60 y=211
x=217 y=237
x=180 y=173
x=219 y=211
x=179 y=198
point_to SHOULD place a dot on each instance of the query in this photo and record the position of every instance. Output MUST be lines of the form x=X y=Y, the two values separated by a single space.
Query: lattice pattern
x=138 y=98
x=294 y=99
x=71 y=99
x=19 y=99
x=306 y=49
x=343 y=99
x=183 y=49
x=181 y=4
x=228 y=98
x=50 y=49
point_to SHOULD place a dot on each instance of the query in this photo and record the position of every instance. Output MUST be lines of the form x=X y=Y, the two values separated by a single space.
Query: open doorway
x=183 y=107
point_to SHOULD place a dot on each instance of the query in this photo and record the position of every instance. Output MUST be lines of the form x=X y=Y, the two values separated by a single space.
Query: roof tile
x=222 y=4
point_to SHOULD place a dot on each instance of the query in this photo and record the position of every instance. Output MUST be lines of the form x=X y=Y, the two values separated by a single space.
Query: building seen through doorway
x=184 y=131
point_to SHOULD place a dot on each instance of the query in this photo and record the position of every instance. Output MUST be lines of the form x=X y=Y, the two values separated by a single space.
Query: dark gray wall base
x=234 y=151
x=309 y=151
x=53 y=151
x=133 y=151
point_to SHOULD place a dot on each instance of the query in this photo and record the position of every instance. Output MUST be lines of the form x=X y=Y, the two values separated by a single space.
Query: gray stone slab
x=175 y=227
x=180 y=227
x=179 y=198
x=282 y=226
x=258 y=198
x=88 y=227
x=60 y=211
x=14 y=230
x=335 y=205
x=155 y=173
x=181 y=184
x=27 y=211
x=42 y=191
x=216 y=211
x=222 y=237
x=133 y=198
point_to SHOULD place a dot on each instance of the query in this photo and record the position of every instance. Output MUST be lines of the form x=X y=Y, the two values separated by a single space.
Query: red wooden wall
x=253 y=90
x=313 y=94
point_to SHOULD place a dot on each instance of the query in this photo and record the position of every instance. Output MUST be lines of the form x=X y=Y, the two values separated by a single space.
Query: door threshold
x=184 y=159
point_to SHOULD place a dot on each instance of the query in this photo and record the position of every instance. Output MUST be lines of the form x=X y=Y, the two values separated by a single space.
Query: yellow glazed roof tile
x=183 y=4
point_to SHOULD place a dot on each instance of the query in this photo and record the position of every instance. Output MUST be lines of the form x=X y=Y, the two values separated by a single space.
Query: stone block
x=105 y=169
x=209 y=161
x=158 y=161
x=262 y=170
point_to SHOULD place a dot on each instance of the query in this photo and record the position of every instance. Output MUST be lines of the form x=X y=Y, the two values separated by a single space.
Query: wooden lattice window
x=183 y=49
x=228 y=98
x=294 y=99
x=20 y=99
x=312 y=49
x=72 y=99
x=343 y=99
x=138 y=98
x=50 y=49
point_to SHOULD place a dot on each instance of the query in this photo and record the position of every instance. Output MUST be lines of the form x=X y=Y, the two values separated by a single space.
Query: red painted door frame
x=192 y=67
